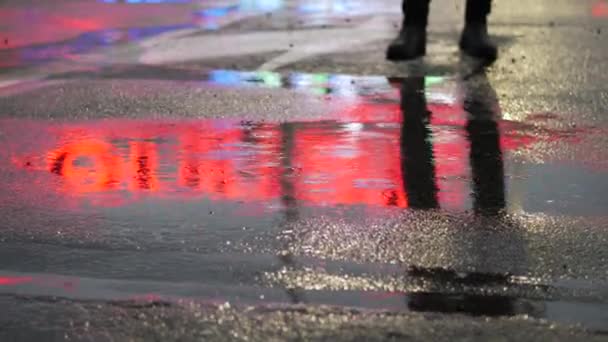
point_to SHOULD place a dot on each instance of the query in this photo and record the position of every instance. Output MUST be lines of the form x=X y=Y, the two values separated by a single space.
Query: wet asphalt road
x=224 y=170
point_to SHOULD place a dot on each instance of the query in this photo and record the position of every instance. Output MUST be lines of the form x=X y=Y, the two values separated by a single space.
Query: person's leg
x=475 y=40
x=411 y=42
x=415 y=12
x=477 y=11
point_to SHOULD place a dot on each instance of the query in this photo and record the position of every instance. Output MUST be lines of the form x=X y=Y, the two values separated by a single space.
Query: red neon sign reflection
x=333 y=163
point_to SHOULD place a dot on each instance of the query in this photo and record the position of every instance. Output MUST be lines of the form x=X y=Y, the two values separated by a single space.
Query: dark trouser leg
x=477 y=11
x=411 y=42
x=475 y=40
x=415 y=12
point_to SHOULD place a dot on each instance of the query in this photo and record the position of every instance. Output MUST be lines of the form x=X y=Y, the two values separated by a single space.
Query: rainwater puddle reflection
x=415 y=171
x=421 y=143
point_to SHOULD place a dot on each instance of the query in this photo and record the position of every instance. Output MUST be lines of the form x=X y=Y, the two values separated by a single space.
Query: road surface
x=255 y=170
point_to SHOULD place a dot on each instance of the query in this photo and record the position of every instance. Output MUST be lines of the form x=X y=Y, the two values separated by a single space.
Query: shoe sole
x=490 y=56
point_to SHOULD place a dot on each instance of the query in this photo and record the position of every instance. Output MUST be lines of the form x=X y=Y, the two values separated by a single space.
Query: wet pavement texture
x=255 y=170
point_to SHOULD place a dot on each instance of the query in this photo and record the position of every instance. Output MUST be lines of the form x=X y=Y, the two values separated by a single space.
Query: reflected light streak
x=11 y=281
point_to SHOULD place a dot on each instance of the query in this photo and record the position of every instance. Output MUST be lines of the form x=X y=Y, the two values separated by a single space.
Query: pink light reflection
x=12 y=281
x=600 y=9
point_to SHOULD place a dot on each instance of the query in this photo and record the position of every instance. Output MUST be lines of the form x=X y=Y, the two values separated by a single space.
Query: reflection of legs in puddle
x=487 y=169
x=411 y=42
x=417 y=164
x=290 y=207
x=288 y=196
x=482 y=132
x=494 y=244
x=485 y=152
x=474 y=305
x=488 y=249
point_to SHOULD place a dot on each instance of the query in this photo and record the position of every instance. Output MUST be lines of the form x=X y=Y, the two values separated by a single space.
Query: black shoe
x=475 y=42
x=410 y=44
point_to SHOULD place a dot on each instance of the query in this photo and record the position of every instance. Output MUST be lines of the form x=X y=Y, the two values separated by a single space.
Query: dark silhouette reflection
x=288 y=193
x=290 y=203
x=143 y=172
x=450 y=276
x=58 y=163
x=485 y=153
x=459 y=301
x=144 y=163
x=471 y=304
x=474 y=305
x=417 y=162
x=191 y=176
x=488 y=190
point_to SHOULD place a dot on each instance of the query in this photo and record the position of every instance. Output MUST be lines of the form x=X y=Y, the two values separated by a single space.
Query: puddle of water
x=415 y=143
x=419 y=142
x=154 y=294
x=323 y=163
